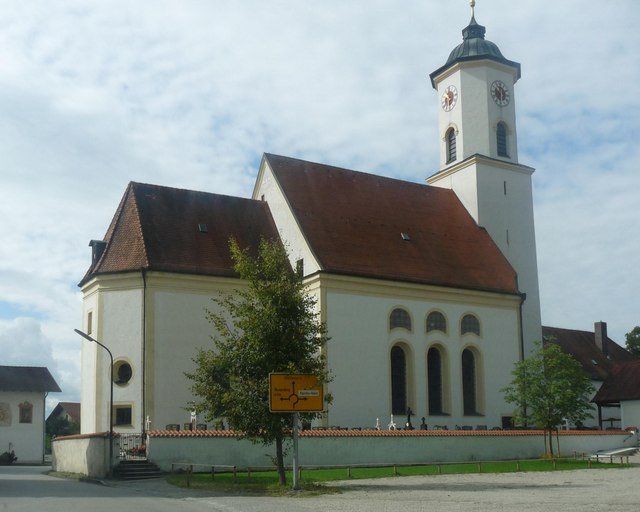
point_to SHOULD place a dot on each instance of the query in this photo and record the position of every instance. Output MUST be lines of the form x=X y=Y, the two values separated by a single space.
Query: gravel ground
x=586 y=491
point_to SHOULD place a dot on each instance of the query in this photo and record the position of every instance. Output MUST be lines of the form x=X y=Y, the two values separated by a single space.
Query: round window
x=122 y=373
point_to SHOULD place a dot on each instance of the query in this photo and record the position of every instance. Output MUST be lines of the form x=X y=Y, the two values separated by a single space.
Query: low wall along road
x=88 y=455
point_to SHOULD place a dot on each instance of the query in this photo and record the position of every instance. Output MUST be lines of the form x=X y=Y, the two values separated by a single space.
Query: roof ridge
x=364 y=173
x=191 y=191
x=113 y=228
x=139 y=229
x=567 y=329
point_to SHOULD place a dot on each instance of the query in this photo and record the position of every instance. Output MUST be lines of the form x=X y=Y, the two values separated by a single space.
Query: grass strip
x=314 y=481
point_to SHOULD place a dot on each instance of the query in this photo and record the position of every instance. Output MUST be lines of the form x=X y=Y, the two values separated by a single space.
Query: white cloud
x=23 y=343
x=190 y=93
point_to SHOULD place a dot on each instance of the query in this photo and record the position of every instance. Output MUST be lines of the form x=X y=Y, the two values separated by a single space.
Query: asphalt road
x=29 y=489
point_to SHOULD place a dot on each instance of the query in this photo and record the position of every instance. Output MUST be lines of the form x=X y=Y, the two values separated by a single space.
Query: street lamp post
x=87 y=337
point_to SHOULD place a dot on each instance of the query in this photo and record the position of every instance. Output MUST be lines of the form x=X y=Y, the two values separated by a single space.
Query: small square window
x=123 y=415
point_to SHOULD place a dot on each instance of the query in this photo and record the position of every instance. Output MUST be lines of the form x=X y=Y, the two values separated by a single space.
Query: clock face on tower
x=449 y=98
x=500 y=93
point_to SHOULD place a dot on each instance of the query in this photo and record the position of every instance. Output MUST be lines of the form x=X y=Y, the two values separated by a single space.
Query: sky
x=190 y=93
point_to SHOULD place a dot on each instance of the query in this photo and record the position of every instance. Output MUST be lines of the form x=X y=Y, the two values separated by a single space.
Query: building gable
x=183 y=231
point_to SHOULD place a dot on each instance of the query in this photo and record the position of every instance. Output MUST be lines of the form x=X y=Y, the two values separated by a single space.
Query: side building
x=23 y=393
x=152 y=279
x=599 y=356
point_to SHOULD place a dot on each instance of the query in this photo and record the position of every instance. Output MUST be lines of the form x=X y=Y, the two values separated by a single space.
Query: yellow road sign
x=295 y=393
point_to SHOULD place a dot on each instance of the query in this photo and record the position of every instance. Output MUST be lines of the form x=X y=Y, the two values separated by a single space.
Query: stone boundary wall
x=85 y=454
x=351 y=447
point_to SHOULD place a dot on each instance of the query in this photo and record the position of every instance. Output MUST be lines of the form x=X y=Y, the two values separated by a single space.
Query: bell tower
x=479 y=157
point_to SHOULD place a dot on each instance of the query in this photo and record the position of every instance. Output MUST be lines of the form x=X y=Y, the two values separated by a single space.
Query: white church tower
x=479 y=157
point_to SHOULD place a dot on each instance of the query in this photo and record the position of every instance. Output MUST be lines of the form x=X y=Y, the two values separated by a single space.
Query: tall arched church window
x=450 y=138
x=398 y=380
x=501 y=135
x=469 y=383
x=470 y=324
x=434 y=381
x=436 y=322
x=399 y=318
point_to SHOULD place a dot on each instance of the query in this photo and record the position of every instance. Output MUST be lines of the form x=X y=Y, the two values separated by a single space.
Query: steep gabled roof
x=354 y=223
x=622 y=384
x=70 y=408
x=582 y=346
x=175 y=230
x=27 y=378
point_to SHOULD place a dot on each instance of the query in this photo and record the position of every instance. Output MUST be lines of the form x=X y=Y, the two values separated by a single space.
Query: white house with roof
x=429 y=291
x=23 y=393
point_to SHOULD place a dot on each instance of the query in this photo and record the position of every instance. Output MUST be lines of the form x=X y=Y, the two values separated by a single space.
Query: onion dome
x=474 y=47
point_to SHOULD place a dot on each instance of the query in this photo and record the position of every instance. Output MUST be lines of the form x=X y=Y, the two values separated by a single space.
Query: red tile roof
x=389 y=433
x=622 y=384
x=71 y=408
x=582 y=346
x=354 y=222
x=157 y=228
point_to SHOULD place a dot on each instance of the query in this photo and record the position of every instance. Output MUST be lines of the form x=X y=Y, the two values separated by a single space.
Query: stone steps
x=136 y=470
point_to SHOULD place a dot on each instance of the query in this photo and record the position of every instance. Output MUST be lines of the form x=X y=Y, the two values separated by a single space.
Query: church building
x=429 y=291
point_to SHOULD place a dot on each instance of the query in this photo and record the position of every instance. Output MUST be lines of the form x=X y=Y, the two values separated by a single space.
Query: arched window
x=469 y=384
x=470 y=324
x=399 y=318
x=398 y=380
x=501 y=135
x=450 y=138
x=434 y=381
x=436 y=322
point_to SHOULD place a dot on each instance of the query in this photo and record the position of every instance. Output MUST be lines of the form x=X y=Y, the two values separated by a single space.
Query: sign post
x=296 y=471
x=295 y=393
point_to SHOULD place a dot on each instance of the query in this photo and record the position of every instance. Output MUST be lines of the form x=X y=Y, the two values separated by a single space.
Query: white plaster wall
x=476 y=115
x=121 y=331
x=88 y=359
x=288 y=228
x=87 y=456
x=482 y=113
x=180 y=328
x=451 y=119
x=509 y=220
x=116 y=302
x=176 y=328
x=26 y=439
x=630 y=413
x=464 y=184
x=331 y=451
x=359 y=356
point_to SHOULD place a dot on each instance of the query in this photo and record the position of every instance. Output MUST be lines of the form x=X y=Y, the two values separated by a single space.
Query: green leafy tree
x=633 y=341
x=271 y=326
x=549 y=387
x=61 y=426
